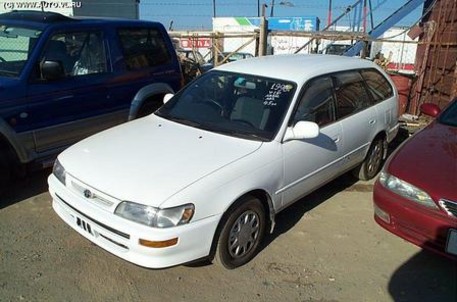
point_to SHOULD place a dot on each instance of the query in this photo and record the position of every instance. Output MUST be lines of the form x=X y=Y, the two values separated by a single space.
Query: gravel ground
x=326 y=247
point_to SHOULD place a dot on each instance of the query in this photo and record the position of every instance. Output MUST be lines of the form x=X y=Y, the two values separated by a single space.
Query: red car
x=415 y=196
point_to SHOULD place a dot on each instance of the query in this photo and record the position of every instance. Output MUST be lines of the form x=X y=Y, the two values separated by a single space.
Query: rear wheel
x=372 y=163
x=149 y=106
x=242 y=233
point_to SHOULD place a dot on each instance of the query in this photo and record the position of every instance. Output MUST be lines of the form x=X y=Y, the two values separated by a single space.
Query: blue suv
x=63 y=79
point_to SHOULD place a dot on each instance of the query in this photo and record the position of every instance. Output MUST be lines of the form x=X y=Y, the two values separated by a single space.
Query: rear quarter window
x=378 y=86
x=143 y=48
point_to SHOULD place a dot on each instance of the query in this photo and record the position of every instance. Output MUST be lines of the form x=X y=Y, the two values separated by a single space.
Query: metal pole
x=258 y=8
x=329 y=16
x=272 y=6
x=214 y=8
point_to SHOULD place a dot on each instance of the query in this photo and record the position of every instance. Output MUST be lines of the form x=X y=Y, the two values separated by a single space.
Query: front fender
x=146 y=92
x=18 y=146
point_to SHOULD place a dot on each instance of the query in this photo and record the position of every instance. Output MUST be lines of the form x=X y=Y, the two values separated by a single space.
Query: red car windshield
x=449 y=116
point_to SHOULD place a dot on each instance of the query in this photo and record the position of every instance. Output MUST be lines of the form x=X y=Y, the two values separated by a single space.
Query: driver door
x=310 y=163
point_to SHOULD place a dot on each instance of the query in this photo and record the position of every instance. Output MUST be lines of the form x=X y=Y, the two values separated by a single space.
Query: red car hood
x=428 y=160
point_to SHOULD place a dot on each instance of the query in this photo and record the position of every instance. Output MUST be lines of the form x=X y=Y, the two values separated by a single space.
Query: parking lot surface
x=326 y=247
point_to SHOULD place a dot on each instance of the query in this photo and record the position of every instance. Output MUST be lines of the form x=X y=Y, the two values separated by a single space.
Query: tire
x=5 y=171
x=149 y=107
x=242 y=233
x=373 y=162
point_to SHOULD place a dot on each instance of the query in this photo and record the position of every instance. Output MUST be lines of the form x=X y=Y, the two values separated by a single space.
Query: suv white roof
x=295 y=67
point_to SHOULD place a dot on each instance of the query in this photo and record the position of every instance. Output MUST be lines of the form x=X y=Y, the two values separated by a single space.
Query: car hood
x=428 y=160
x=151 y=159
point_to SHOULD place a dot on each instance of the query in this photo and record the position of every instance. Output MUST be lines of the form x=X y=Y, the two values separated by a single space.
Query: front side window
x=81 y=53
x=351 y=95
x=143 y=48
x=378 y=86
x=16 y=45
x=317 y=104
x=234 y=104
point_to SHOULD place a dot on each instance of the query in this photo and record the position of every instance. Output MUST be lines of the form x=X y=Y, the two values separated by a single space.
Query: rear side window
x=143 y=48
x=351 y=95
x=378 y=86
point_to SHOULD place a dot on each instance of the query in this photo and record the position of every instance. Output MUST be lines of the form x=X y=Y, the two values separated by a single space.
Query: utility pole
x=263 y=33
x=214 y=8
x=329 y=14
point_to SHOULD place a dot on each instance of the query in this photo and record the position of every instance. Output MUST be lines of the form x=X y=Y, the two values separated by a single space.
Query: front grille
x=94 y=195
x=449 y=206
x=126 y=236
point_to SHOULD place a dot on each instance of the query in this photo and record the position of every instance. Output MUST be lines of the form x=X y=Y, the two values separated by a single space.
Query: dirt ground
x=326 y=247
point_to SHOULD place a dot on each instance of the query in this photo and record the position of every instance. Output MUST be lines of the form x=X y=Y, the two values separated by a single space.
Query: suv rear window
x=143 y=48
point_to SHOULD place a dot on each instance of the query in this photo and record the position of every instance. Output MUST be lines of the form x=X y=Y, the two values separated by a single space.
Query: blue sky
x=197 y=14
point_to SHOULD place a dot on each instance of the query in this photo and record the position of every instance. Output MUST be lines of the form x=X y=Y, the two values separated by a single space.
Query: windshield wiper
x=242 y=134
x=182 y=120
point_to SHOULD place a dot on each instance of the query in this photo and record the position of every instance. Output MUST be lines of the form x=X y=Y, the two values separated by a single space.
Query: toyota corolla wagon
x=205 y=175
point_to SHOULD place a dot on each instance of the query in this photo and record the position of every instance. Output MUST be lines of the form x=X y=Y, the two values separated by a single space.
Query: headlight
x=406 y=190
x=155 y=217
x=59 y=171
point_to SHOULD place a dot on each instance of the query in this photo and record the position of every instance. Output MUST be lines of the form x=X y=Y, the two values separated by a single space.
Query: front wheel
x=242 y=233
x=5 y=172
x=372 y=163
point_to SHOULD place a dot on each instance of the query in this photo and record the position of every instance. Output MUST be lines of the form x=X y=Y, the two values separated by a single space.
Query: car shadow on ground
x=25 y=187
x=425 y=277
x=290 y=216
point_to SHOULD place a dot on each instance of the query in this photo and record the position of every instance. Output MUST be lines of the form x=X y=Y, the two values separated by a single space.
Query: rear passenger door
x=357 y=116
x=384 y=101
x=144 y=60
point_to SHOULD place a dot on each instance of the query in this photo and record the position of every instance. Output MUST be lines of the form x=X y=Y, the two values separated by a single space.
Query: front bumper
x=121 y=237
x=426 y=228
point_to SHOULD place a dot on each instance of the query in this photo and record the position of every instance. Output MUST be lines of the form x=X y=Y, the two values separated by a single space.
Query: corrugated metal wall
x=436 y=60
x=108 y=8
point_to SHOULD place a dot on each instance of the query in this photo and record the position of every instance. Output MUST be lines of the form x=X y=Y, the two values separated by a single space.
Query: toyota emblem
x=88 y=194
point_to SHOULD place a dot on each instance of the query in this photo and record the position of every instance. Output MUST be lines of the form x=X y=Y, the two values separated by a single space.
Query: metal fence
x=395 y=53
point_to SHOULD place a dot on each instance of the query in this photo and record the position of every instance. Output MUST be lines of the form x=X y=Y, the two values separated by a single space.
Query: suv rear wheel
x=149 y=106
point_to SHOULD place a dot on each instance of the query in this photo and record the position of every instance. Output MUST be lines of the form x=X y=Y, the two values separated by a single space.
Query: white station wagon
x=205 y=175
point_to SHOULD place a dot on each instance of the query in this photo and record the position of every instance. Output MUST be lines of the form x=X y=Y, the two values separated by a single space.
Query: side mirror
x=430 y=109
x=167 y=97
x=52 y=70
x=302 y=130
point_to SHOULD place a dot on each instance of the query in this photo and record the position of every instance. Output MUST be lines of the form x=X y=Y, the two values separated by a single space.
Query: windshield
x=449 y=116
x=234 y=104
x=16 y=44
